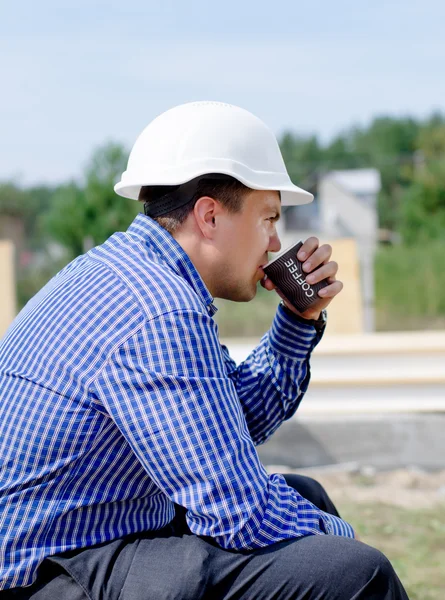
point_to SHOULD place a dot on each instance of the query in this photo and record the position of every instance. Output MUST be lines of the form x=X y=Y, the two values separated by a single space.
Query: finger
x=308 y=248
x=319 y=257
x=331 y=290
x=324 y=272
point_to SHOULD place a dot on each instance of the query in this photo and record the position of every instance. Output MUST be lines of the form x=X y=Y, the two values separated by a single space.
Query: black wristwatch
x=319 y=323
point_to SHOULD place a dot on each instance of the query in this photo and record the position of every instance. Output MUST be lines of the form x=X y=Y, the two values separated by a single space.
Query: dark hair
x=228 y=191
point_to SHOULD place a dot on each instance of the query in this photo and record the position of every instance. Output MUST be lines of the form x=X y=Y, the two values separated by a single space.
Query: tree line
x=78 y=214
x=408 y=153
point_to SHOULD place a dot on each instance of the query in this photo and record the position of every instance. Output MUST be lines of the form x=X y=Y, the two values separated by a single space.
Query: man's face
x=244 y=240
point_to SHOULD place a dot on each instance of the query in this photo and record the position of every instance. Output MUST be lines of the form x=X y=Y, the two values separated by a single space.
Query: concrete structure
x=345 y=209
x=387 y=441
x=7 y=296
x=375 y=399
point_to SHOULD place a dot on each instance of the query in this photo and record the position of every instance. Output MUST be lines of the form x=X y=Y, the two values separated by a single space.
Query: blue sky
x=77 y=74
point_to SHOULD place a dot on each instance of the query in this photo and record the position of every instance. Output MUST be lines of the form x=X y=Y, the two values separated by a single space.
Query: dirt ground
x=405 y=488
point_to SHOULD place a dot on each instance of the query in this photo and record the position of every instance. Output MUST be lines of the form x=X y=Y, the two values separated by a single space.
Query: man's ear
x=206 y=211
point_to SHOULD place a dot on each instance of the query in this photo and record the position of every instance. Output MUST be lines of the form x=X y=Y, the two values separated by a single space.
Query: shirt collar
x=172 y=253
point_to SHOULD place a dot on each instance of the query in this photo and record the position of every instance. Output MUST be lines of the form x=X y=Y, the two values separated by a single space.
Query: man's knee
x=383 y=581
x=358 y=566
x=368 y=559
x=331 y=566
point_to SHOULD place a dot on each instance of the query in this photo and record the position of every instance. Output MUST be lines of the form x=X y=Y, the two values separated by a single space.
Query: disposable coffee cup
x=286 y=272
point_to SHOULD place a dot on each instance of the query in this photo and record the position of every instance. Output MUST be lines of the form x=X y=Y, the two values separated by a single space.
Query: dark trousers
x=175 y=564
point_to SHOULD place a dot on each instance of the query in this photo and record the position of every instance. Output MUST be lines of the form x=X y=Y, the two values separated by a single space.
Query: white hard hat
x=208 y=137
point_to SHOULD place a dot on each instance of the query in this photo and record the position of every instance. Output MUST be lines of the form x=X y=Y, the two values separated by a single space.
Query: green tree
x=84 y=216
x=339 y=154
x=303 y=158
x=13 y=200
x=39 y=201
x=389 y=145
x=423 y=209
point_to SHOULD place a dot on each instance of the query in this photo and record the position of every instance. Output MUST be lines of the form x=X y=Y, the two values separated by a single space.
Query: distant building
x=345 y=206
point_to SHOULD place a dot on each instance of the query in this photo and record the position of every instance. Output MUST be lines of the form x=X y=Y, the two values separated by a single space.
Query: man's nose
x=274 y=243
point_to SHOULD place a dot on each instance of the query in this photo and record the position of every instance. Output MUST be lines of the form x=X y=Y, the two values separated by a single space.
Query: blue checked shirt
x=117 y=399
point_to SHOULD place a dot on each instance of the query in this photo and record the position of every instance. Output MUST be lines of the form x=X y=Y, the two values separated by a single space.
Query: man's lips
x=261 y=272
x=260 y=268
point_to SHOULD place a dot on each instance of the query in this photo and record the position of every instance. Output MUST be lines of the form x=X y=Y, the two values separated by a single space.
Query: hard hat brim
x=291 y=195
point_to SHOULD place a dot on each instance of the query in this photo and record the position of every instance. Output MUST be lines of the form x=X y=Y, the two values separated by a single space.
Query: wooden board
x=345 y=313
x=7 y=285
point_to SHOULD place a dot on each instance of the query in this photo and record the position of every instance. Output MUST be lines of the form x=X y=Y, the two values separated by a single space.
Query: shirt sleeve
x=273 y=379
x=168 y=392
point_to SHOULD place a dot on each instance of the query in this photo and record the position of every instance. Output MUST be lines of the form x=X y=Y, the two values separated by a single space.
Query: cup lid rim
x=280 y=254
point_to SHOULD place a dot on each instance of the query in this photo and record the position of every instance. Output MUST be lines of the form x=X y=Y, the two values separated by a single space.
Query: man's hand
x=316 y=262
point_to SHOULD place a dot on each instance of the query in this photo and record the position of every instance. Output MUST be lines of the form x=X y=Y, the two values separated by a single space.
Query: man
x=119 y=408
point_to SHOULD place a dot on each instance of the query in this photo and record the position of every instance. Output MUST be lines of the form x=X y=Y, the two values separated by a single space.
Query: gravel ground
x=405 y=488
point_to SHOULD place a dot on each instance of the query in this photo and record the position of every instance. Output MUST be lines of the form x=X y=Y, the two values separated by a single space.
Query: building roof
x=358 y=181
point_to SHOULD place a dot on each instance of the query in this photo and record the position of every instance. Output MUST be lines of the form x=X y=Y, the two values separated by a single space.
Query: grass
x=413 y=540
x=410 y=286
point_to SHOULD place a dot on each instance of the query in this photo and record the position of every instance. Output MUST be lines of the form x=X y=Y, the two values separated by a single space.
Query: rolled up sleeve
x=272 y=381
x=168 y=391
